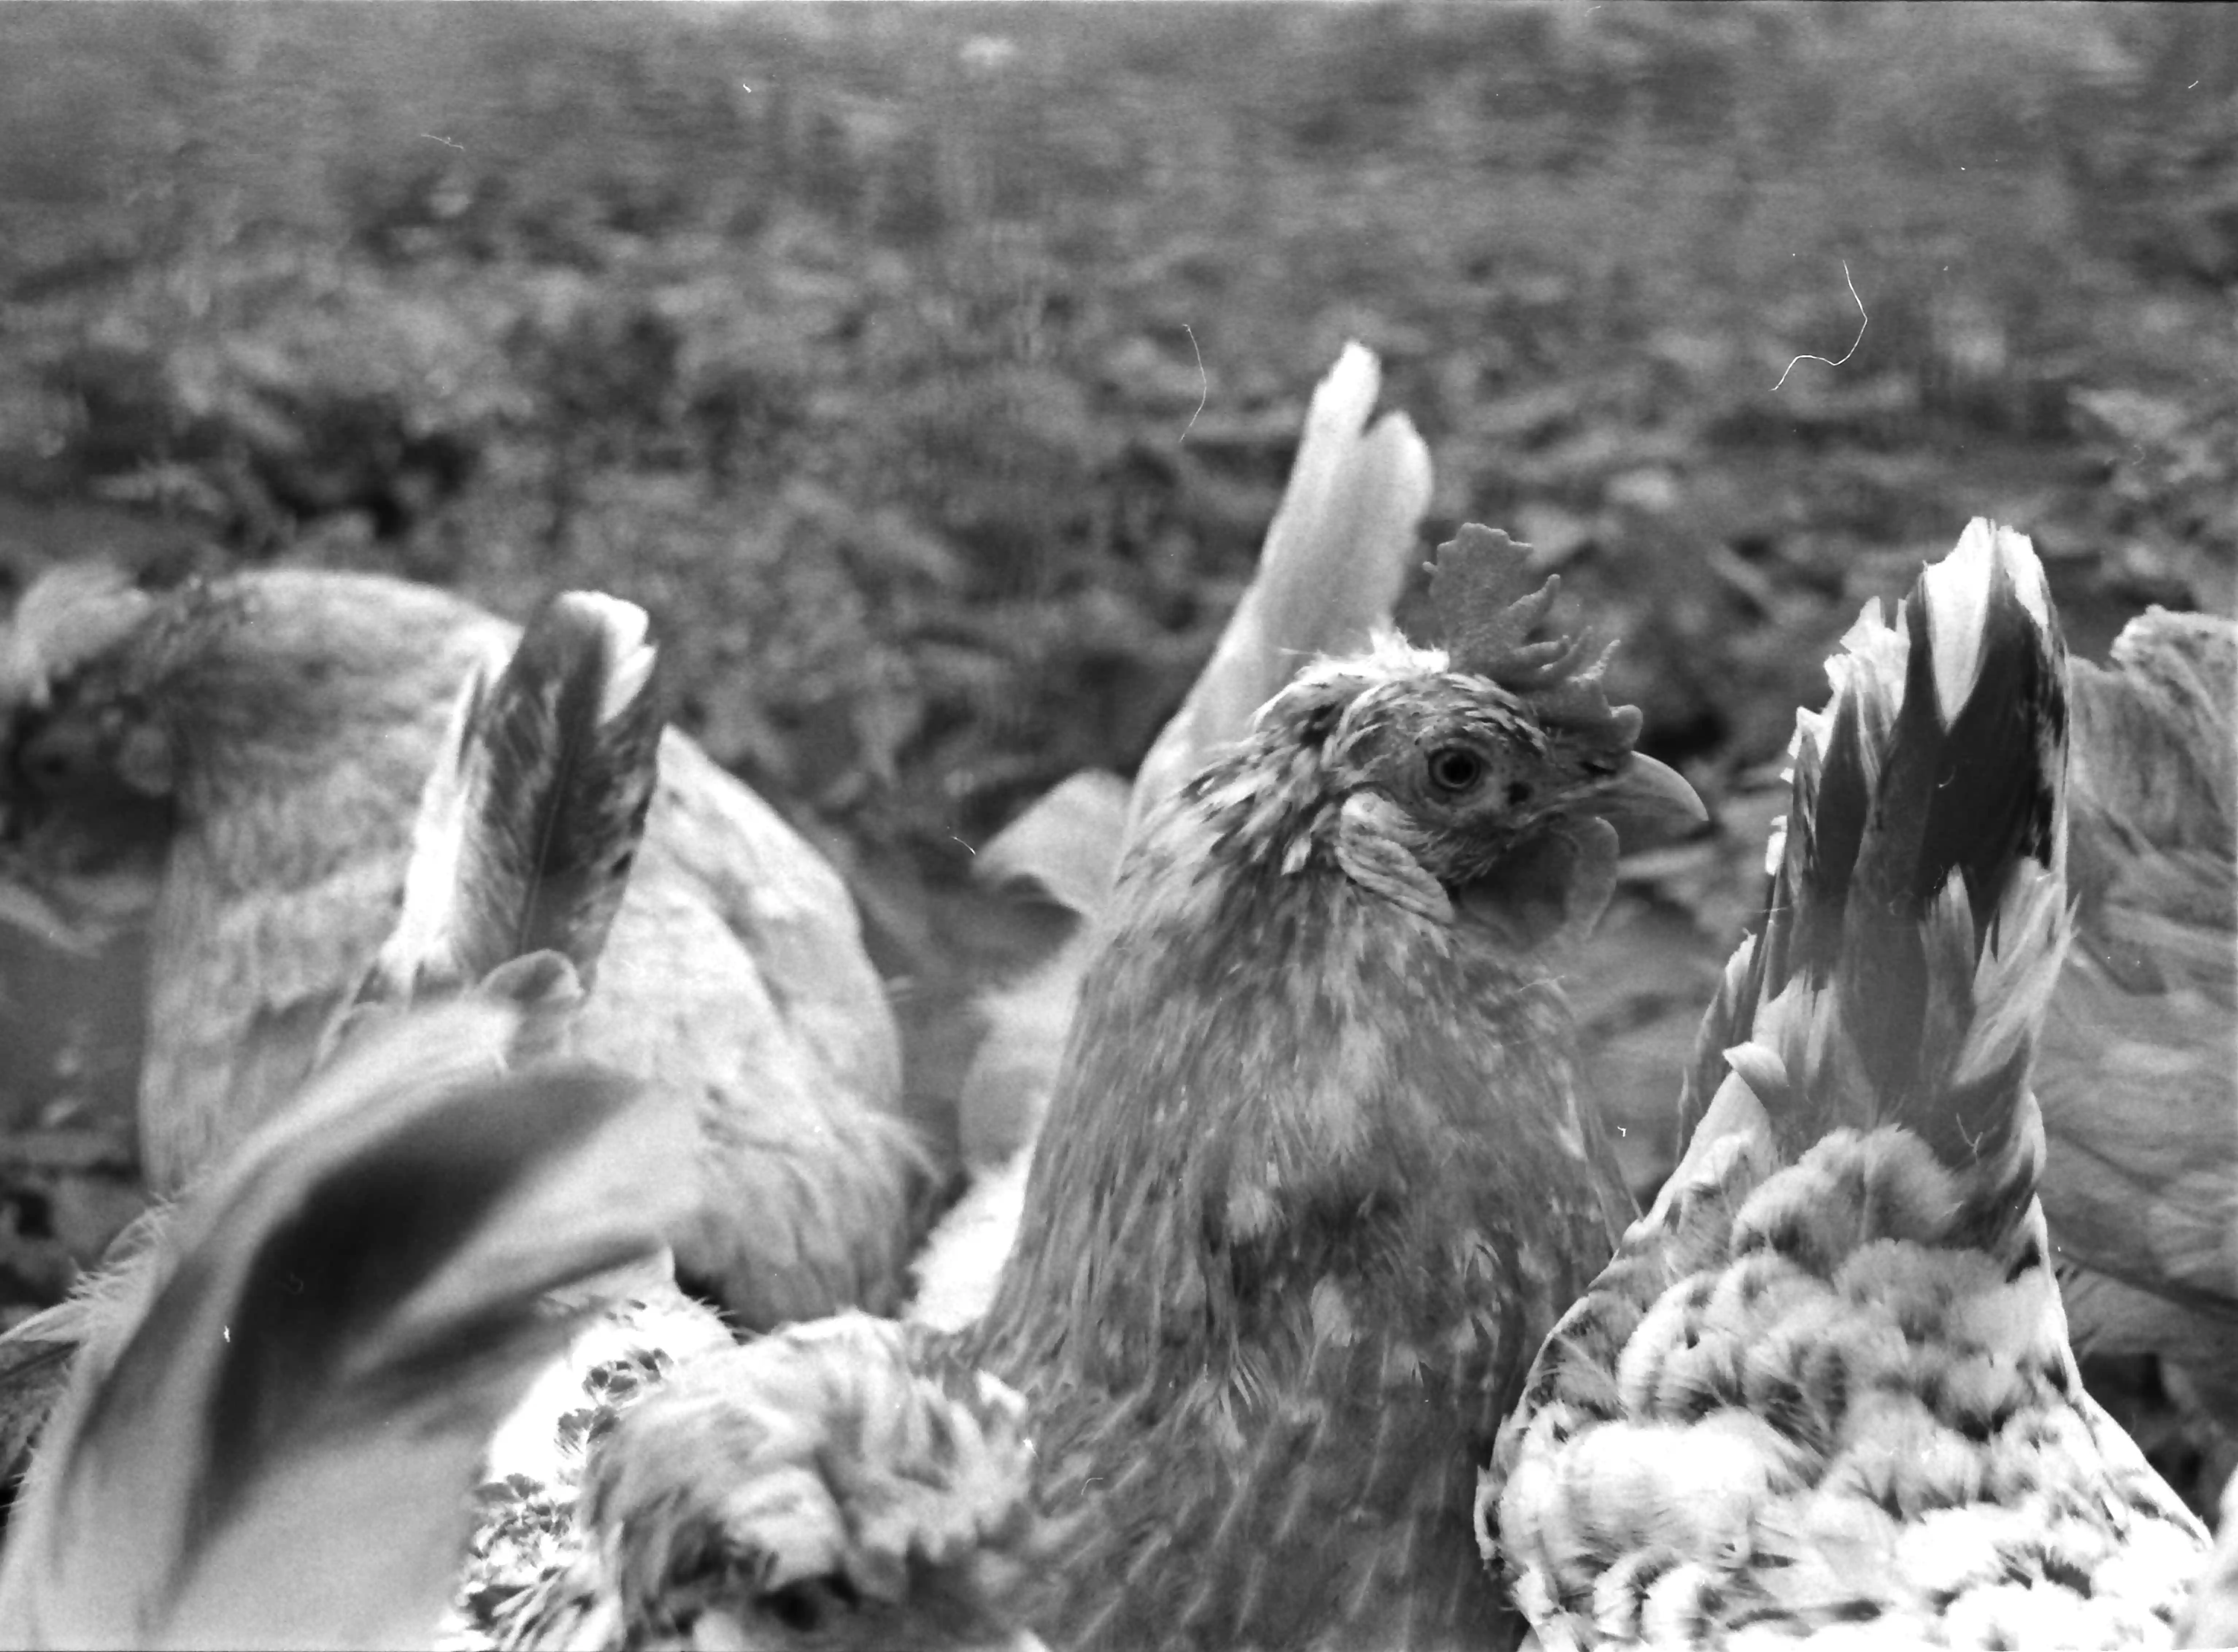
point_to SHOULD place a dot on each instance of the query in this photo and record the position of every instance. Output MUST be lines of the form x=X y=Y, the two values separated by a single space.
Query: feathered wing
x=1825 y=1386
x=280 y=1452
x=1335 y=557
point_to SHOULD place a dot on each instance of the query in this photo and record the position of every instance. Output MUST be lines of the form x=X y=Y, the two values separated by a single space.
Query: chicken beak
x=1649 y=801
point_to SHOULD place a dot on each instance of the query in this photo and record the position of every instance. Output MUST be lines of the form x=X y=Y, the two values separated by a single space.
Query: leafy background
x=931 y=373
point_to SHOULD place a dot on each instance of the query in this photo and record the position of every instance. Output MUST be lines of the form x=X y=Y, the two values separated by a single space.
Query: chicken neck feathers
x=1824 y=1387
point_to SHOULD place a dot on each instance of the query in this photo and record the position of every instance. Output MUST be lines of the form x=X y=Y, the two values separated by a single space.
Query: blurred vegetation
x=932 y=372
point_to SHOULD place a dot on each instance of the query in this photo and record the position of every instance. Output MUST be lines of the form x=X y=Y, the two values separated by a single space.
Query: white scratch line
x=1203 y=383
x=1862 y=319
x=444 y=142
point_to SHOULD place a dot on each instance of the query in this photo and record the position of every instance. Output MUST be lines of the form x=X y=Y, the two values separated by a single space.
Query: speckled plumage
x=1825 y=1391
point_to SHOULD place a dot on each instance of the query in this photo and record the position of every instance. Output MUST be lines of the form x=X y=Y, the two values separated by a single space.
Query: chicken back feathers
x=1824 y=1389
x=1316 y=1176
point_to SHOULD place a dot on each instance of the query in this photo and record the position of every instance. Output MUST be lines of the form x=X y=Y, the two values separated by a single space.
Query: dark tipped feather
x=573 y=730
x=534 y=815
x=1972 y=790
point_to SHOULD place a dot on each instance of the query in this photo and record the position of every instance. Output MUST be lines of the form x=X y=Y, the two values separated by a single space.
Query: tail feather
x=1334 y=560
x=532 y=816
x=1916 y=923
x=281 y=1453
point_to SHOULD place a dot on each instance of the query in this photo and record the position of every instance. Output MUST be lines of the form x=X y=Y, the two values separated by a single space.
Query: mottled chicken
x=238 y=761
x=1314 y=1180
x=1824 y=1390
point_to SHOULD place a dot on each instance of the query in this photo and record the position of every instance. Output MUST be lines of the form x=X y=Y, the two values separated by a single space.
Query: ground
x=930 y=374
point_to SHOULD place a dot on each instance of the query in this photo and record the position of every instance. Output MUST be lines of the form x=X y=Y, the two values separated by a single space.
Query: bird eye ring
x=1454 y=770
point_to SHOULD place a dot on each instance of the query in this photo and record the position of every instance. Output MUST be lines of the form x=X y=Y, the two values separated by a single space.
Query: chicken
x=2138 y=1075
x=1314 y=1180
x=1824 y=1390
x=1335 y=559
x=237 y=763
x=281 y=1454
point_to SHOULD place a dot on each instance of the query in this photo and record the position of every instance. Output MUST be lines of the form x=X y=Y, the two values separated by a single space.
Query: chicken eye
x=1454 y=770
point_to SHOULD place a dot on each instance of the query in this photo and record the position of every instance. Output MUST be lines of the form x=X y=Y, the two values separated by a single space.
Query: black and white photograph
x=1048 y=826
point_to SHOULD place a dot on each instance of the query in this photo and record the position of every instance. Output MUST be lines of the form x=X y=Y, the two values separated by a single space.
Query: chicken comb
x=1481 y=584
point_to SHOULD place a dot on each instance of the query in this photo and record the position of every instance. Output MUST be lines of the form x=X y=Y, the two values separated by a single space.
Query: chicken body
x=248 y=755
x=1825 y=1391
